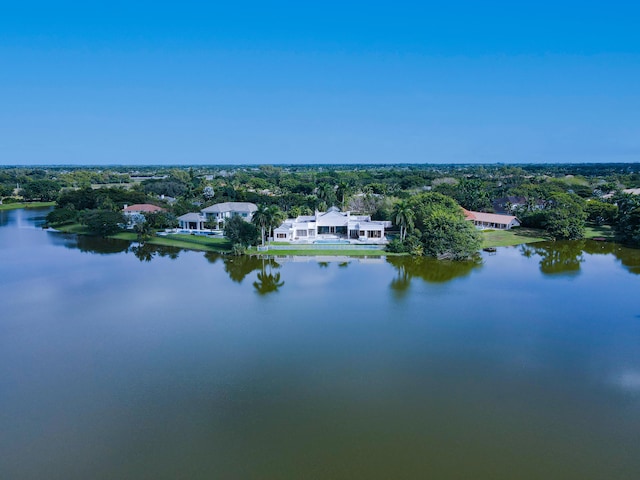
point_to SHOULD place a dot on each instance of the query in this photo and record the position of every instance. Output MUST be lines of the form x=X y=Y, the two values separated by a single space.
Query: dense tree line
x=434 y=225
x=558 y=198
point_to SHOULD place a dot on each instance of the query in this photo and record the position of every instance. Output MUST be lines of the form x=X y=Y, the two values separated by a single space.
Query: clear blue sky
x=152 y=82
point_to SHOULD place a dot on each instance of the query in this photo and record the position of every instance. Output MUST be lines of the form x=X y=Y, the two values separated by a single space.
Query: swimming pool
x=333 y=242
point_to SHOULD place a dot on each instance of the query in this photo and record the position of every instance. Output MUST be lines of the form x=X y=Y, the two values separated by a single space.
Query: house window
x=281 y=235
x=301 y=233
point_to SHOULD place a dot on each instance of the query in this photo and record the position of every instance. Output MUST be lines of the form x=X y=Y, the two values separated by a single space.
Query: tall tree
x=442 y=229
x=240 y=232
x=275 y=218
x=565 y=216
x=261 y=218
x=326 y=194
x=403 y=217
x=342 y=192
x=627 y=224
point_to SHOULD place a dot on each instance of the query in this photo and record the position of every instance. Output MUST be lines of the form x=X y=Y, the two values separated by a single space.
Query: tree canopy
x=440 y=228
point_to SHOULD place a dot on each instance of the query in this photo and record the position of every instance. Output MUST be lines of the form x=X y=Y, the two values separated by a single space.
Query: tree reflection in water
x=268 y=282
x=4 y=218
x=92 y=244
x=146 y=252
x=629 y=257
x=428 y=269
x=238 y=267
x=565 y=257
x=557 y=258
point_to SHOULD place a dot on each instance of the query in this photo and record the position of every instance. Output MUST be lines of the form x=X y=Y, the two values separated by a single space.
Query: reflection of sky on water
x=629 y=380
x=107 y=353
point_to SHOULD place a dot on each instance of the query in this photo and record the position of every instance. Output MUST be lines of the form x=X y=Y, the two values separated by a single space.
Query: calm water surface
x=128 y=362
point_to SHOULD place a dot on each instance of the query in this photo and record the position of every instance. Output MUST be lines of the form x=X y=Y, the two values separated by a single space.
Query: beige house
x=491 y=220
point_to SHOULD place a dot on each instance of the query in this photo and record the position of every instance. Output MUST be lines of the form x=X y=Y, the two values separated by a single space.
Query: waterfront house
x=135 y=213
x=192 y=221
x=141 y=208
x=491 y=220
x=219 y=212
x=216 y=215
x=332 y=225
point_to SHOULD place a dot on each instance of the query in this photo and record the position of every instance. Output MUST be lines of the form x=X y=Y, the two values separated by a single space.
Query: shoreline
x=491 y=239
x=26 y=205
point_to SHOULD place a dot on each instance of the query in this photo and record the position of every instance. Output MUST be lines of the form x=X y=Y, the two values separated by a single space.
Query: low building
x=192 y=221
x=135 y=214
x=141 y=208
x=332 y=225
x=485 y=221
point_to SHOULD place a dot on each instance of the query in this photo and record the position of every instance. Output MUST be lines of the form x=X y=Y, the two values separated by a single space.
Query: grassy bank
x=491 y=238
x=193 y=242
x=515 y=236
x=73 y=228
x=599 y=231
x=14 y=206
x=188 y=242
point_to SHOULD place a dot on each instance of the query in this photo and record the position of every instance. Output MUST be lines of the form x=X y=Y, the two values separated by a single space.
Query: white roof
x=191 y=217
x=241 y=207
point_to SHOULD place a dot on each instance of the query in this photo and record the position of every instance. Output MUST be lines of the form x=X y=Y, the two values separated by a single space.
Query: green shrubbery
x=438 y=229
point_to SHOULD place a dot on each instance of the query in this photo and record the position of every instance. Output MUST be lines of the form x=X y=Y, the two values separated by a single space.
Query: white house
x=331 y=225
x=192 y=221
x=221 y=211
x=217 y=214
x=491 y=220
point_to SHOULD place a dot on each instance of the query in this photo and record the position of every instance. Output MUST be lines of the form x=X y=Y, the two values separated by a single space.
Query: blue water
x=122 y=361
x=333 y=242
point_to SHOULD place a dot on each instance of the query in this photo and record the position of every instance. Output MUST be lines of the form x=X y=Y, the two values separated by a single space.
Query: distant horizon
x=202 y=83
x=347 y=165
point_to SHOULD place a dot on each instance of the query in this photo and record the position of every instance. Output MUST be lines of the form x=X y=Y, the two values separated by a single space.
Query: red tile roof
x=144 y=208
x=468 y=215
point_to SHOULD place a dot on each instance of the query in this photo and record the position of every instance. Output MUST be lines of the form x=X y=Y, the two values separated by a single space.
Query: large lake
x=124 y=362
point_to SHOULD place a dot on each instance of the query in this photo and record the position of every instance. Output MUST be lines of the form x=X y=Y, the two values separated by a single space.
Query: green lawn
x=515 y=236
x=598 y=231
x=491 y=238
x=13 y=206
x=193 y=242
x=72 y=228
x=189 y=242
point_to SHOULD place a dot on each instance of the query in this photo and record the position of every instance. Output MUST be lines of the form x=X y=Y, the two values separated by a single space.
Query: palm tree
x=403 y=217
x=326 y=193
x=143 y=230
x=268 y=282
x=275 y=218
x=261 y=219
x=342 y=192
